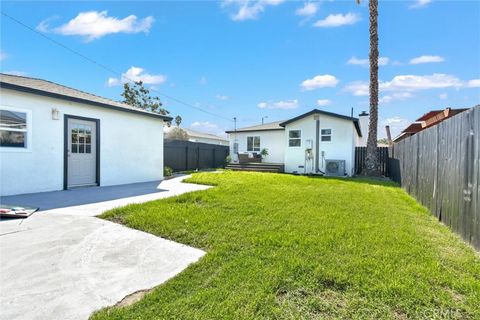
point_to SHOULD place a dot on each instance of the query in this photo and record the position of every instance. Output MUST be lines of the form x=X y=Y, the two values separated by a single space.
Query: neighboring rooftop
x=261 y=127
x=198 y=134
x=48 y=88
x=428 y=120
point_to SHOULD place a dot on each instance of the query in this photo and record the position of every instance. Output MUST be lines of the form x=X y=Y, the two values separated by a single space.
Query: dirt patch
x=132 y=298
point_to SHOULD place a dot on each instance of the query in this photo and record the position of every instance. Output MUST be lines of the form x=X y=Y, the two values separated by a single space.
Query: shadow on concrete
x=80 y=196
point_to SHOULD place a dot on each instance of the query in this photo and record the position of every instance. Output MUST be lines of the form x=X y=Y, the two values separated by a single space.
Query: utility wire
x=108 y=68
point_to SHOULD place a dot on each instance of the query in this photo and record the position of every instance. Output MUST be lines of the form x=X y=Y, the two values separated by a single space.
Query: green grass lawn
x=292 y=247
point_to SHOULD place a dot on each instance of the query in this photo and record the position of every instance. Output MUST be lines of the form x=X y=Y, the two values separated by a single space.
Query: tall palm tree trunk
x=371 y=161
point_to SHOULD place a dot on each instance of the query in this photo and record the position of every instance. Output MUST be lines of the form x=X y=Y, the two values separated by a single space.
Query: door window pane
x=88 y=148
x=74 y=148
x=81 y=148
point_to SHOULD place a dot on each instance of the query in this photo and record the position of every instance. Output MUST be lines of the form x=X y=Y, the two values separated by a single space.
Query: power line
x=108 y=68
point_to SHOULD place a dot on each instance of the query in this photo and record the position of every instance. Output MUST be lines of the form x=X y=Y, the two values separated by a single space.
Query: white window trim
x=288 y=138
x=331 y=135
x=28 y=148
x=253 y=144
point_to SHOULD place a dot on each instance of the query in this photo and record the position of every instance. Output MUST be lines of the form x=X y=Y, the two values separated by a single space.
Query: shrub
x=167 y=171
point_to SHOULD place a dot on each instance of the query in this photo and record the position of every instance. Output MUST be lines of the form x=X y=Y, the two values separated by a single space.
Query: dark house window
x=294 y=138
x=253 y=143
x=326 y=135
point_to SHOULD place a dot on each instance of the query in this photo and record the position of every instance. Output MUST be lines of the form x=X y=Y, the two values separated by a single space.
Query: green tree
x=176 y=133
x=371 y=161
x=136 y=95
x=382 y=141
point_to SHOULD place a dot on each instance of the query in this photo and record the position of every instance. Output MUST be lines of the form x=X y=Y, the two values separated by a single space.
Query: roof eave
x=255 y=130
x=11 y=86
x=309 y=113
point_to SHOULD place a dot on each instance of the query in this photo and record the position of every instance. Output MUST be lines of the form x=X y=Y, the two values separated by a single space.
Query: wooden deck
x=259 y=167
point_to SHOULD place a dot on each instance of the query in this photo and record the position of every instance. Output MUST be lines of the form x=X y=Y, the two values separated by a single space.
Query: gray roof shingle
x=261 y=127
x=44 y=87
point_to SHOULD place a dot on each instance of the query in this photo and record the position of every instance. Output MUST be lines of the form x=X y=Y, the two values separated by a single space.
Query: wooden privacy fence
x=361 y=155
x=185 y=155
x=440 y=167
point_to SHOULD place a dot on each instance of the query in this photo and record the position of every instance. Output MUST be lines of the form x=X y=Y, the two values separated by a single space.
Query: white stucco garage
x=53 y=137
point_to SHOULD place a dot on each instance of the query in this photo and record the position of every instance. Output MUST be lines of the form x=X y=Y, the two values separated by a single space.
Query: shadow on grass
x=381 y=181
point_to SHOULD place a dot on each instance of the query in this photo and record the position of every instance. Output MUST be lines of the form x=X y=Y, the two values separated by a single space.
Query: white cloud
x=287 y=104
x=204 y=124
x=474 y=83
x=203 y=80
x=319 y=81
x=249 y=10
x=382 y=61
x=426 y=59
x=357 y=88
x=443 y=96
x=96 y=24
x=397 y=124
x=208 y=127
x=414 y=82
x=44 y=25
x=137 y=74
x=323 y=102
x=395 y=96
x=308 y=9
x=407 y=83
x=420 y=4
x=337 y=20
x=221 y=97
x=385 y=100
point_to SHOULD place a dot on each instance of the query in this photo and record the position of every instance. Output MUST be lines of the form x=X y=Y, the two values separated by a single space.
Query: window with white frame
x=326 y=135
x=253 y=143
x=13 y=128
x=294 y=138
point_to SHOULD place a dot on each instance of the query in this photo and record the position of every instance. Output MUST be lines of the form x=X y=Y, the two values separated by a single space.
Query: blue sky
x=253 y=59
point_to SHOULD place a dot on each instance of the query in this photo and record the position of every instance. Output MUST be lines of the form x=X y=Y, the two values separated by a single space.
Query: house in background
x=428 y=120
x=313 y=143
x=197 y=136
x=53 y=137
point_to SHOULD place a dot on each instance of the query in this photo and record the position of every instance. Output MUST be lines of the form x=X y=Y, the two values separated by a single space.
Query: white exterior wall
x=273 y=140
x=342 y=146
x=131 y=145
x=363 y=122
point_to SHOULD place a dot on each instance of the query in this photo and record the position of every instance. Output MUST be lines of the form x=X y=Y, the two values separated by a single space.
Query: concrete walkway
x=63 y=263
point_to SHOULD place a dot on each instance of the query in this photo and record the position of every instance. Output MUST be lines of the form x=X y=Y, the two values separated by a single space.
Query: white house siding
x=340 y=148
x=131 y=146
x=363 y=123
x=272 y=140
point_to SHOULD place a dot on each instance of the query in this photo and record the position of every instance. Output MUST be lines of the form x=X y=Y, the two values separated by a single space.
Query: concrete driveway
x=63 y=263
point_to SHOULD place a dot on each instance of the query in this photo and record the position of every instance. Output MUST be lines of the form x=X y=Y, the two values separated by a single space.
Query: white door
x=81 y=153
